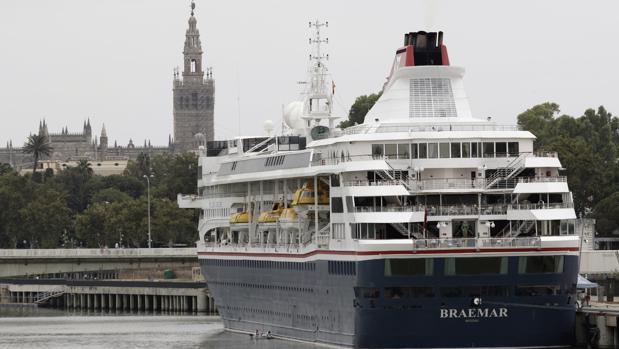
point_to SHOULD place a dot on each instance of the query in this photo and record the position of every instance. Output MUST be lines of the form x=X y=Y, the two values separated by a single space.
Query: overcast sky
x=112 y=60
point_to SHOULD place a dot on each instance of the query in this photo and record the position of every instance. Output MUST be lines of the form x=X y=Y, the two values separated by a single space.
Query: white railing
x=540 y=206
x=541 y=179
x=463 y=210
x=464 y=243
x=455 y=183
x=362 y=129
x=446 y=183
x=98 y=253
x=365 y=183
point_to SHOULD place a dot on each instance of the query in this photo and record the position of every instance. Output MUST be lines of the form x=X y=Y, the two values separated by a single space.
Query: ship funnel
x=426 y=48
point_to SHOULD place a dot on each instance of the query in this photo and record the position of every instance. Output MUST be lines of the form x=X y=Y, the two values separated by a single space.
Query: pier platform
x=125 y=295
x=596 y=325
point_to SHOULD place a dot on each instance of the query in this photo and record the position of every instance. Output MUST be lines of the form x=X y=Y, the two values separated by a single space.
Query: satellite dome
x=292 y=115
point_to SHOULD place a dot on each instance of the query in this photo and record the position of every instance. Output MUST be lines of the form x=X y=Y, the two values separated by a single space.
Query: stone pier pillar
x=118 y=302
x=155 y=302
x=125 y=302
x=97 y=303
x=88 y=301
x=147 y=302
x=139 y=301
x=185 y=303
x=103 y=302
x=202 y=303
x=194 y=303
x=131 y=303
x=110 y=301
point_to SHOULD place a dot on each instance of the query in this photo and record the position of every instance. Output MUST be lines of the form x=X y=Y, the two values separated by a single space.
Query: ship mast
x=318 y=101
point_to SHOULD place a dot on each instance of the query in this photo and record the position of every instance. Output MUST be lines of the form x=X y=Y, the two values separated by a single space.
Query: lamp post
x=148 y=200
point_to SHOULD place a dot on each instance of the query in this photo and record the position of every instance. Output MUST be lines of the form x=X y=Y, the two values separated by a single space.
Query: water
x=31 y=328
x=34 y=328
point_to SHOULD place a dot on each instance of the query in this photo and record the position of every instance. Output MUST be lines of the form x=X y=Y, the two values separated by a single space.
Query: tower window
x=193 y=66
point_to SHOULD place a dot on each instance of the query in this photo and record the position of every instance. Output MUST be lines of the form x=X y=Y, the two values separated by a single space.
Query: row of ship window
x=463 y=291
x=435 y=150
x=238 y=263
x=246 y=285
x=415 y=266
x=473 y=266
x=342 y=268
x=270 y=312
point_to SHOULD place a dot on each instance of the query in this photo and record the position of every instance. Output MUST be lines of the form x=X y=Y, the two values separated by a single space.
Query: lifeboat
x=273 y=215
x=304 y=197
x=240 y=221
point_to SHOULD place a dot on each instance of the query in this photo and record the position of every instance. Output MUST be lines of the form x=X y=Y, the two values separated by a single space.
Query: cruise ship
x=422 y=227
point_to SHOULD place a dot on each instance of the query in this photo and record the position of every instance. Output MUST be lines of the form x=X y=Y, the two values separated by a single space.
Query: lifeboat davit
x=289 y=219
x=240 y=221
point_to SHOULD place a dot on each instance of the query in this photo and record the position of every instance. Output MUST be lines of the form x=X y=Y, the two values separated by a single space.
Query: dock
x=120 y=295
x=596 y=325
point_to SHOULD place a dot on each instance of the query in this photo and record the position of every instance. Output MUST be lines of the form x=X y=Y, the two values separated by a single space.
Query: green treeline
x=588 y=148
x=75 y=208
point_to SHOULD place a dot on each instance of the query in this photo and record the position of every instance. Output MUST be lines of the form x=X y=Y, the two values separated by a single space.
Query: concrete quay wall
x=147 y=297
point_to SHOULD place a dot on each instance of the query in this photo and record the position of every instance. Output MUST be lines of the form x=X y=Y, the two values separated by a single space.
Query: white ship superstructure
x=424 y=220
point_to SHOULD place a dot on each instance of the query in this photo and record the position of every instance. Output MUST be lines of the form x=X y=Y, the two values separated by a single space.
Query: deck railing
x=476 y=243
x=417 y=244
x=464 y=210
x=362 y=129
x=456 y=183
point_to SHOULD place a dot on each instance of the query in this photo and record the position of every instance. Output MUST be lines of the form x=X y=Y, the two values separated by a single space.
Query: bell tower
x=194 y=94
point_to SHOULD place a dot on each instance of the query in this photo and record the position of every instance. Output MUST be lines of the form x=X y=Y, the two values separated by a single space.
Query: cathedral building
x=193 y=113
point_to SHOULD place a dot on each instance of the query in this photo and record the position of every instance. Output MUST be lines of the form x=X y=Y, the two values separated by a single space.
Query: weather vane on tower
x=193 y=6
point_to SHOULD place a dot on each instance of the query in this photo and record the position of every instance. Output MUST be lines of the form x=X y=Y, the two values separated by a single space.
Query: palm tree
x=38 y=146
x=84 y=168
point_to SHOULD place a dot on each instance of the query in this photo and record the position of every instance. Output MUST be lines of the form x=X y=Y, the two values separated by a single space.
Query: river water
x=34 y=328
x=31 y=328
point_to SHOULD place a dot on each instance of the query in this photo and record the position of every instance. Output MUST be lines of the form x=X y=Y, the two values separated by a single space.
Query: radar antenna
x=317 y=40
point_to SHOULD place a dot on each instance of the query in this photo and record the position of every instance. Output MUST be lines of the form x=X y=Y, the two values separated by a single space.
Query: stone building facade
x=193 y=113
x=194 y=95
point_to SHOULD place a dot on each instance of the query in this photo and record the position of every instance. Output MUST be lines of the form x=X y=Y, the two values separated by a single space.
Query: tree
x=15 y=193
x=45 y=218
x=173 y=225
x=5 y=168
x=84 y=168
x=359 y=109
x=588 y=147
x=173 y=174
x=606 y=213
x=109 y=195
x=38 y=146
x=91 y=226
x=140 y=167
x=129 y=185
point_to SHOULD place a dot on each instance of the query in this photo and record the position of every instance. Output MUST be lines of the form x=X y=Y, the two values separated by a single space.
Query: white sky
x=112 y=60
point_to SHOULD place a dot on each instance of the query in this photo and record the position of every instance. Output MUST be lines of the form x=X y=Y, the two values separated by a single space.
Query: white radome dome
x=292 y=115
x=268 y=126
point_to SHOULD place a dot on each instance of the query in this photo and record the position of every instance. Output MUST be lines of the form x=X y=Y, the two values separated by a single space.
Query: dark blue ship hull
x=358 y=304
